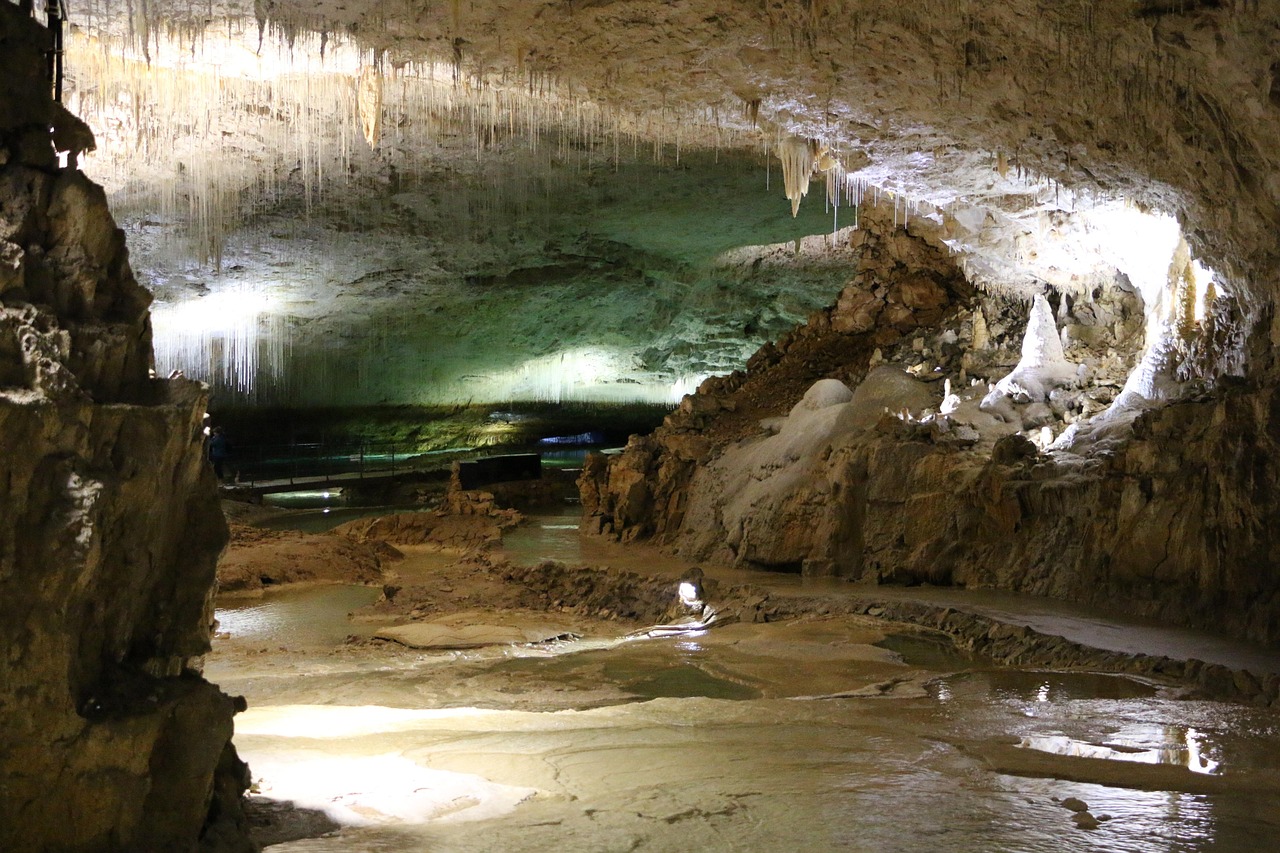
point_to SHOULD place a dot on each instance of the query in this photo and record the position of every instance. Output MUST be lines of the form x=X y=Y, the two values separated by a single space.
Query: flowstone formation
x=921 y=432
x=109 y=737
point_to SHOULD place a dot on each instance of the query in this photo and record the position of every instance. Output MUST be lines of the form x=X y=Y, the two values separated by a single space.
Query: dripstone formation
x=842 y=451
x=110 y=526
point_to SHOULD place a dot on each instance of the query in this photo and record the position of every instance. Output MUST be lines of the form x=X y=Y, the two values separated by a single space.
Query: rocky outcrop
x=437 y=530
x=467 y=519
x=109 y=737
x=1161 y=508
x=905 y=281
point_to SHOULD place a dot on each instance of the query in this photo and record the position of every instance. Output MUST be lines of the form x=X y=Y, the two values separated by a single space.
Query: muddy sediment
x=598 y=596
x=554 y=743
x=257 y=559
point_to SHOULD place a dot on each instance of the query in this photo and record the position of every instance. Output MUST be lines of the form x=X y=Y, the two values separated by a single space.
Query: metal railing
x=311 y=463
x=55 y=17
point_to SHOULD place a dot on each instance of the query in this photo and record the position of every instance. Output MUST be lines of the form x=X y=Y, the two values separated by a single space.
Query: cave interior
x=941 y=292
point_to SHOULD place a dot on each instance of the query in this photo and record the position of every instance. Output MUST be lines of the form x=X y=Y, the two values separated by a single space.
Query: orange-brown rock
x=457 y=533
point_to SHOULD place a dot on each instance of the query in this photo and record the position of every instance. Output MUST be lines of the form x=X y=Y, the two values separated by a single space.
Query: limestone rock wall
x=905 y=281
x=1167 y=511
x=110 y=529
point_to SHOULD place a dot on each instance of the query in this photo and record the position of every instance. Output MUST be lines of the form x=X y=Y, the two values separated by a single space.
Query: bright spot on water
x=1185 y=754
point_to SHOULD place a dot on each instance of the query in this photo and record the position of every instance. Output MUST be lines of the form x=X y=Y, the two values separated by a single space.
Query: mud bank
x=257 y=559
x=597 y=597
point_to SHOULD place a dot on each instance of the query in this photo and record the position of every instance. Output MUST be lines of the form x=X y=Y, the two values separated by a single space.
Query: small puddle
x=926 y=652
x=644 y=669
x=311 y=616
x=550 y=536
x=1030 y=686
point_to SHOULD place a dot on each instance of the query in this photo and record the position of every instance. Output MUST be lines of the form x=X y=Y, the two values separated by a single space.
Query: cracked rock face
x=109 y=738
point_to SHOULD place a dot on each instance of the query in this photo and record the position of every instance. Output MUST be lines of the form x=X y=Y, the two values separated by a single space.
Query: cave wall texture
x=1169 y=513
x=110 y=528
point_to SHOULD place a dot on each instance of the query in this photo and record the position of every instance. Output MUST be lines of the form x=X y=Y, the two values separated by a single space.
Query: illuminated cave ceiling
x=553 y=184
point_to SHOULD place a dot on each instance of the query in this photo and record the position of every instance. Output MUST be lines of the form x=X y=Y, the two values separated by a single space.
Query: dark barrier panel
x=499 y=469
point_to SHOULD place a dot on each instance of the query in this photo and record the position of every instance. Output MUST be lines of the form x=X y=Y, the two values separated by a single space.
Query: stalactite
x=280 y=120
x=369 y=104
x=797 y=156
x=229 y=339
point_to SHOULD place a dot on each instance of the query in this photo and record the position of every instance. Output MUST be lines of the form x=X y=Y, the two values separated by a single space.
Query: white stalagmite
x=797 y=158
x=950 y=402
x=1041 y=346
x=369 y=103
x=1042 y=367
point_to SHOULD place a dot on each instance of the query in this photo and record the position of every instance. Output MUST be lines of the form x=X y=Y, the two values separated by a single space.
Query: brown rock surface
x=109 y=737
x=257 y=558
x=643 y=491
x=1162 y=509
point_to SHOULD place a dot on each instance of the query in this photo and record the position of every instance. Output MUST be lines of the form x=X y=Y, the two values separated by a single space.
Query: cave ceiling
x=567 y=183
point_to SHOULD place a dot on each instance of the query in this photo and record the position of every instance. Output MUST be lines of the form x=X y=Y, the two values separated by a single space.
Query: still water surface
x=808 y=736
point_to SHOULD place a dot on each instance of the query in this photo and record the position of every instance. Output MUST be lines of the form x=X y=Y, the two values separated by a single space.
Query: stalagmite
x=797 y=156
x=1042 y=367
x=950 y=402
x=981 y=339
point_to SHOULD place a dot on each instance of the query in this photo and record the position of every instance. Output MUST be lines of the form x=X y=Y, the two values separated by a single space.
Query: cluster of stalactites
x=803 y=158
x=205 y=129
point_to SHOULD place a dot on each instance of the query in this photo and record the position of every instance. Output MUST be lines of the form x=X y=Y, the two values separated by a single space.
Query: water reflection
x=302 y=617
x=1185 y=754
x=546 y=537
x=702 y=744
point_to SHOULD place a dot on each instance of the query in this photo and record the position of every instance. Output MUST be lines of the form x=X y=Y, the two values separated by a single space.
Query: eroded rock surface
x=1052 y=476
x=467 y=520
x=109 y=737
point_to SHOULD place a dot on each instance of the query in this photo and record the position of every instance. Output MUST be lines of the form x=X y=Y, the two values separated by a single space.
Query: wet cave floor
x=821 y=732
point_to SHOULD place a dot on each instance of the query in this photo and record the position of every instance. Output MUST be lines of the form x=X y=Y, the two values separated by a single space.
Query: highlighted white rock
x=1042 y=368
